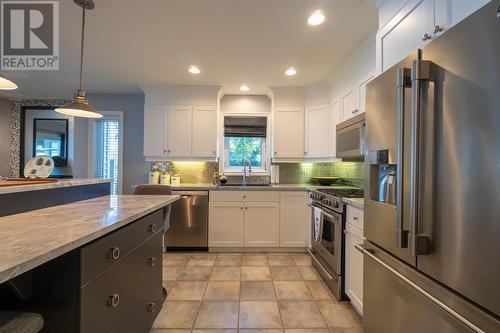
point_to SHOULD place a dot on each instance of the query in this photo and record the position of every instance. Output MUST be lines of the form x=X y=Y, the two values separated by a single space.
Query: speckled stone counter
x=33 y=238
x=59 y=184
x=356 y=202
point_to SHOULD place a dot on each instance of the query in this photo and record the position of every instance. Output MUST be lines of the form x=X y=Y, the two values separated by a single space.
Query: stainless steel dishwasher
x=188 y=222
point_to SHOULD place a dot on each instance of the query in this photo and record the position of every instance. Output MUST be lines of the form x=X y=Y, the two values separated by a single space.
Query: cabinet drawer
x=226 y=195
x=233 y=196
x=126 y=281
x=265 y=196
x=141 y=315
x=354 y=216
x=99 y=255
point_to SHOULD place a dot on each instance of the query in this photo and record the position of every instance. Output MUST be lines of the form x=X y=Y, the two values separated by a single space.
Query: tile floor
x=249 y=293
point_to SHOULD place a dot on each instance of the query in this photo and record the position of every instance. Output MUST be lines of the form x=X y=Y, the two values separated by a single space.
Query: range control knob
x=336 y=204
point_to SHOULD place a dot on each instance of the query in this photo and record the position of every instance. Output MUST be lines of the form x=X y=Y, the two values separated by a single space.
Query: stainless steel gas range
x=327 y=236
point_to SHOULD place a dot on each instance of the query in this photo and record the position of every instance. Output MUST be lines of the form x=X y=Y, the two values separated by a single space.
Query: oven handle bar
x=320 y=265
x=322 y=211
x=446 y=308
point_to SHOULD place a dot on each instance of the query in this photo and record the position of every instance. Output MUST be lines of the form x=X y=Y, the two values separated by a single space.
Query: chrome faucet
x=246 y=168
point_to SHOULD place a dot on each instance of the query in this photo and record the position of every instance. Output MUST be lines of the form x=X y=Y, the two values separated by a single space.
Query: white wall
x=182 y=95
x=245 y=104
x=359 y=65
x=288 y=96
x=317 y=94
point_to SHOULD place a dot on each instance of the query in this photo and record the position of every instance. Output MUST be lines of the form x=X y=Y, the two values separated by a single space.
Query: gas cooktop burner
x=343 y=192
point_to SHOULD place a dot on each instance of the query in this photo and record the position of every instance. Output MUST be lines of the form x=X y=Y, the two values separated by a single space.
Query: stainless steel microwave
x=351 y=138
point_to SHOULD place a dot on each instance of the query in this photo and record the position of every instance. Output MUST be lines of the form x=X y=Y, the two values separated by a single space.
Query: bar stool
x=20 y=322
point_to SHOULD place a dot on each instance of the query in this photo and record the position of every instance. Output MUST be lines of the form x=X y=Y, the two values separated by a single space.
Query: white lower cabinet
x=226 y=224
x=354 y=266
x=261 y=224
x=294 y=219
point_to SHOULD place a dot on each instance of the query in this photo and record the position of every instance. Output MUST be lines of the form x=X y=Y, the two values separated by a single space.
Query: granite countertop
x=59 y=183
x=356 y=202
x=30 y=239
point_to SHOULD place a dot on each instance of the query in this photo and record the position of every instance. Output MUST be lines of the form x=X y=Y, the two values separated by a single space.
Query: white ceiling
x=137 y=43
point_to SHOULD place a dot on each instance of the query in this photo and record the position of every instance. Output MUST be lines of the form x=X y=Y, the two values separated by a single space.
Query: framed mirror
x=50 y=137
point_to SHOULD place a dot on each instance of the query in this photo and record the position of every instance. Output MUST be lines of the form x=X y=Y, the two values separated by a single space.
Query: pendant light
x=80 y=106
x=6 y=84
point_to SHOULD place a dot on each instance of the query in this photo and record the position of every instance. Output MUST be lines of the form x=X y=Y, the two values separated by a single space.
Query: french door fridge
x=432 y=258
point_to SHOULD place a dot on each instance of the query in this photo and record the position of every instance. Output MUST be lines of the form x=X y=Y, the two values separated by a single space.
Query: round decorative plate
x=39 y=167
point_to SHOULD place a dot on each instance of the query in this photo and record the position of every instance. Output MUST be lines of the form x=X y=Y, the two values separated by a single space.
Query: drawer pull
x=151 y=307
x=152 y=261
x=355 y=218
x=115 y=253
x=152 y=227
x=113 y=301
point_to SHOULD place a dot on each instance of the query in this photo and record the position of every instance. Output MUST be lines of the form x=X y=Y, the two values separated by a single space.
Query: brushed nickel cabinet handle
x=152 y=227
x=438 y=28
x=115 y=253
x=113 y=300
x=152 y=261
x=151 y=307
x=355 y=218
x=426 y=36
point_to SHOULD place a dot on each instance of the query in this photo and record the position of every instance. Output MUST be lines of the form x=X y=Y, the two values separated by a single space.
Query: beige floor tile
x=279 y=273
x=280 y=260
x=259 y=314
x=228 y=260
x=177 y=314
x=307 y=330
x=187 y=290
x=261 y=330
x=301 y=314
x=175 y=260
x=169 y=285
x=217 y=315
x=339 y=314
x=225 y=274
x=250 y=260
x=171 y=273
x=292 y=290
x=257 y=291
x=319 y=291
x=222 y=291
x=346 y=330
x=215 y=331
x=308 y=273
x=166 y=330
x=261 y=273
x=195 y=274
x=202 y=260
x=302 y=259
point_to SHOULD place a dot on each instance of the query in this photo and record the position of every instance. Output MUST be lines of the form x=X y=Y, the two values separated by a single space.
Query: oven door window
x=329 y=235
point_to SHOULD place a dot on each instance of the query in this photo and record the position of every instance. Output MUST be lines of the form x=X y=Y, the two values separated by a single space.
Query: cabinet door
x=154 y=122
x=179 y=130
x=405 y=33
x=225 y=224
x=349 y=103
x=318 y=132
x=450 y=12
x=362 y=92
x=262 y=224
x=354 y=267
x=204 y=131
x=336 y=114
x=294 y=219
x=288 y=133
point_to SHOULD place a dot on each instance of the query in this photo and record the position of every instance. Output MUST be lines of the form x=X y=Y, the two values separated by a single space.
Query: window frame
x=108 y=115
x=266 y=153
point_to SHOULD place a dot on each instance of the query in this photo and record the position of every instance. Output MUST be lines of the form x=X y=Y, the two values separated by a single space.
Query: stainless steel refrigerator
x=432 y=255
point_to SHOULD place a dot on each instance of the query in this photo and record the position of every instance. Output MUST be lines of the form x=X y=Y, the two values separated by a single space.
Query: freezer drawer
x=399 y=299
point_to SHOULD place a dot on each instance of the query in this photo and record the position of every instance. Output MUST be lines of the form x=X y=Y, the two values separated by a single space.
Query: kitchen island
x=85 y=265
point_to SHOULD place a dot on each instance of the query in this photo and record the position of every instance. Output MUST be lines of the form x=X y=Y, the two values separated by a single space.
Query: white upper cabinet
x=349 y=103
x=179 y=124
x=317 y=131
x=204 y=131
x=361 y=91
x=288 y=133
x=335 y=117
x=418 y=23
x=154 y=124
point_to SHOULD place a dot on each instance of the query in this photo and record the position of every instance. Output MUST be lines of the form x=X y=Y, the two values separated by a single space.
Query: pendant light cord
x=81 y=48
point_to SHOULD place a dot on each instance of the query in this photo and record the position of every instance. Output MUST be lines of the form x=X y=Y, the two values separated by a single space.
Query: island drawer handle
x=115 y=253
x=151 y=307
x=113 y=300
x=152 y=261
x=152 y=227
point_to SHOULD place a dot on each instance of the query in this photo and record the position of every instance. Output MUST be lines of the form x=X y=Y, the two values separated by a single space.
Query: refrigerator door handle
x=403 y=82
x=369 y=252
x=421 y=71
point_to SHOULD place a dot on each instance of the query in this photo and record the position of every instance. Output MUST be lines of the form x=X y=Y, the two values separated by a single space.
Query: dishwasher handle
x=190 y=193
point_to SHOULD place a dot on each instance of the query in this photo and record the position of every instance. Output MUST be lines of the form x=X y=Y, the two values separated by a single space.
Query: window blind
x=245 y=126
x=105 y=150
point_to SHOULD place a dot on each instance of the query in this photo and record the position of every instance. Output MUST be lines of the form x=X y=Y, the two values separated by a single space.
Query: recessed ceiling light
x=194 y=70
x=316 y=18
x=291 y=71
x=244 y=87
